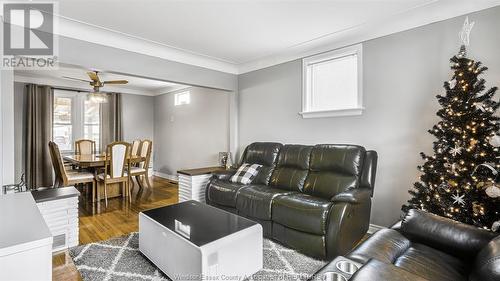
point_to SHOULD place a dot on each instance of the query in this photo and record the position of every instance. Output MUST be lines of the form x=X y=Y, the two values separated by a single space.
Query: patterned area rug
x=119 y=259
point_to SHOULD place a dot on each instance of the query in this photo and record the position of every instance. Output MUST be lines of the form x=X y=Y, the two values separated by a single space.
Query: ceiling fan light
x=98 y=97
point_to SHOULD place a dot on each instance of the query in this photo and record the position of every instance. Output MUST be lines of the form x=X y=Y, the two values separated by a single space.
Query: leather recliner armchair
x=315 y=199
x=424 y=246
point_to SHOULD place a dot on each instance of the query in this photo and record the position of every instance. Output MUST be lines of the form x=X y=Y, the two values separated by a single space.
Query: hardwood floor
x=99 y=223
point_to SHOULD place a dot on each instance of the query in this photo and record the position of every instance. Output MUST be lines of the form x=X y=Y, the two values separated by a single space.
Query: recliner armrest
x=353 y=196
x=452 y=237
x=223 y=174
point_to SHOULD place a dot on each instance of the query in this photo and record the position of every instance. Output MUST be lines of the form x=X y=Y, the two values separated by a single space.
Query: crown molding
x=428 y=13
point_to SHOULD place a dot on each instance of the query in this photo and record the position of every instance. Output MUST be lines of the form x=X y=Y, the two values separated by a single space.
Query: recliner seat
x=315 y=199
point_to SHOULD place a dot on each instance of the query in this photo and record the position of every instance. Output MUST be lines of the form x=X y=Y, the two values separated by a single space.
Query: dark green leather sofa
x=315 y=199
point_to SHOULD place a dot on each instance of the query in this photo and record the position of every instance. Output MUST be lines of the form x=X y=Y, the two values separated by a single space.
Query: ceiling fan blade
x=77 y=79
x=93 y=76
x=116 y=82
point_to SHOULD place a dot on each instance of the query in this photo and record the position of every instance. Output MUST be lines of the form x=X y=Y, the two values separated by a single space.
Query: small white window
x=332 y=83
x=182 y=98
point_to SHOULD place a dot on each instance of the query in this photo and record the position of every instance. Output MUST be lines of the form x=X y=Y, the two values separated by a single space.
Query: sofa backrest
x=369 y=172
x=334 y=168
x=292 y=168
x=265 y=154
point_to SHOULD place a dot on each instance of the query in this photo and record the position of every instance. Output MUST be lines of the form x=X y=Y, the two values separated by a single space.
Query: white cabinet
x=25 y=240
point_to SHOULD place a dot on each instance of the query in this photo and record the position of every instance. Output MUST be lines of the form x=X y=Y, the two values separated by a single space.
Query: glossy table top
x=197 y=222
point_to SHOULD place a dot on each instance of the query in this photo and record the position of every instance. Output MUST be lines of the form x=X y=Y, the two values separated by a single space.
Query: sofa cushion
x=334 y=169
x=223 y=193
x=292 y=168
x=265 y=154
x=302 y=212
x=255 y=200
x=392 y=247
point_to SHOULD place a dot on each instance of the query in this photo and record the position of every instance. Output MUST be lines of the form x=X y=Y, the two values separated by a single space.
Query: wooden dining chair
x=142 y=168
x=65 y=178
x=85 y=146
x=135 y=147
x=115 y=168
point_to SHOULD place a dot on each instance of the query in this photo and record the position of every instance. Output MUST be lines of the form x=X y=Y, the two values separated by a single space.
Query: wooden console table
x=192 y=183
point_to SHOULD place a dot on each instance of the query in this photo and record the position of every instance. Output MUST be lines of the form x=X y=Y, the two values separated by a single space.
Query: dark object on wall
x=424 y=246
x=315 y=199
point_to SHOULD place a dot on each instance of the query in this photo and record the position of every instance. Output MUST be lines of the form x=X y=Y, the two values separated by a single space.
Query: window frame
x=307 y=111
x=77 y=116
x=177 y=98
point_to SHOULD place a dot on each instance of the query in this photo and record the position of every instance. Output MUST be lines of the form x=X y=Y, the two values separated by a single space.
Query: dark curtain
x=110 y=120
x=39 y=114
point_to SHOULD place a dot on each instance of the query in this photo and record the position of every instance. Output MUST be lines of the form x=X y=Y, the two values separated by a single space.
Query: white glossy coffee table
x=194 y=241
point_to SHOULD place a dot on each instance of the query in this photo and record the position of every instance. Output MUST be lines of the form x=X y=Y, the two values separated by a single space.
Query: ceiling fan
x=96 y=83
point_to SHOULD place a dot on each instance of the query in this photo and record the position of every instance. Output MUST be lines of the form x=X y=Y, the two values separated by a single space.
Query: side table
x=192 y=183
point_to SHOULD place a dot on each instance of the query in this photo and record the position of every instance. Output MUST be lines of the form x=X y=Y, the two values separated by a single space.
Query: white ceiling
x=243 y=35
x=136 y=85
x=232 y=31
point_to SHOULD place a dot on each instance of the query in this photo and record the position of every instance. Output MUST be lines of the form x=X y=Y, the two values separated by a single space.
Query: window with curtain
x=75 y=117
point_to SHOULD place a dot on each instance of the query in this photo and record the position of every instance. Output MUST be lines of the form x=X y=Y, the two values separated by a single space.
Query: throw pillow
x=246 y=173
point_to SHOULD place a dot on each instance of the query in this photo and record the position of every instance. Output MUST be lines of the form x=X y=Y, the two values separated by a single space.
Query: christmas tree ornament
x=465 y=166
x=456 y=150
x=452 y=83
x=495 y=141
x=458 y=199
x=480 y=106
x=495 y=227
x=465 y=32
x=492 y=190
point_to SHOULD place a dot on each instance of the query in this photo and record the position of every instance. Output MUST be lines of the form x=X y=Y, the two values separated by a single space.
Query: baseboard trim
x=374 y=228
x=165 y=176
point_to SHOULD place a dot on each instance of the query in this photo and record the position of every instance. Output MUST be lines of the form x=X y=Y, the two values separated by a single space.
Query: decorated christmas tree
x=460 y=180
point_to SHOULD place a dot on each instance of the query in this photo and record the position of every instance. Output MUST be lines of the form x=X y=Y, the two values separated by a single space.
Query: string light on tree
x=460 y=180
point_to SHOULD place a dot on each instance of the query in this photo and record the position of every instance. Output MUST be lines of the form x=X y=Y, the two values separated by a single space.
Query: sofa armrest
x=223 y=174
x=375 y=270
x=348 y=221
x=447 y=235
x=353 y=196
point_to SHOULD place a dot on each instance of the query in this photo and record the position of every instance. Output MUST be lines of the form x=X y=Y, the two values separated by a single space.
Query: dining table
x=95 y=162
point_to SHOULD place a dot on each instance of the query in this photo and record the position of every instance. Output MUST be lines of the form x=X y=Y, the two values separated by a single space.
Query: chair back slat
x=146 y=147
x=118 y=153
x=57 y=162
x=135 y=147
x=85 y=146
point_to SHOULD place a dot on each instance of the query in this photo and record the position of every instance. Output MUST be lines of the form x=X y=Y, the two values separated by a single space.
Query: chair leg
x=138 y=179
x=93 y=191
x=146 y=177
x=105 y=195
x=128 y=190
x=98 y=194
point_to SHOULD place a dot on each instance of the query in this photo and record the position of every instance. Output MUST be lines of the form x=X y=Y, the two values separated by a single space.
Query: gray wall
x=402 y=74
x=137 y=117
x=190 y=136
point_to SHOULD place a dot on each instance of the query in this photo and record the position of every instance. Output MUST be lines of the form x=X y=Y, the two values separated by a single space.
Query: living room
x=253 y=140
